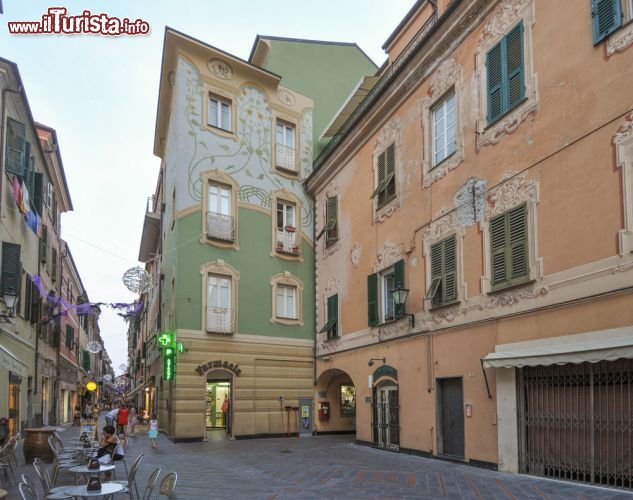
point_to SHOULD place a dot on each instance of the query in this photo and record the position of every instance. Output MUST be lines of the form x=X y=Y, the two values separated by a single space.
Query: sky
x=100 y=94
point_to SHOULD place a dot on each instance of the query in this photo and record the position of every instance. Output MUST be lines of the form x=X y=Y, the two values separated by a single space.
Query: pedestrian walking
x=132 y=419
x=111 y=417
x=153 y=429
x=122 y=419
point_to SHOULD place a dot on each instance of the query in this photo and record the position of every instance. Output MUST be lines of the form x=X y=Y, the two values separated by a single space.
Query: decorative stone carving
x=444 y=223
x=332 y=249
x=355 y=254
x=620 y=40
x=329 y=345
x=388 y=210
x=394 y=329
x=332 y=189
x=443 y=168
x=220 y=68
x=332 y=286
x=514 y=297
x=623 y=141
x=504 y=17
x=513 y=190
x=389 y=133
x=625 y=132
x=389 y=254
x=470 y=201
x=445 y=77
x=286 y=97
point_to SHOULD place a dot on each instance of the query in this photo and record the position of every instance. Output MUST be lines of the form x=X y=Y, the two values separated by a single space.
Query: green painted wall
x=325 y=72
x=256 y=267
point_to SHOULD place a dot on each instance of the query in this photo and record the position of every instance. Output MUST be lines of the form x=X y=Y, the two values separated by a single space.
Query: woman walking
x=132 y=419
x=153 y=429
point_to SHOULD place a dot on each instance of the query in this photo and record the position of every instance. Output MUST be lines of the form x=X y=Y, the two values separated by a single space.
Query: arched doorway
x=335 y=402
x=219 y=404
x=386 y=408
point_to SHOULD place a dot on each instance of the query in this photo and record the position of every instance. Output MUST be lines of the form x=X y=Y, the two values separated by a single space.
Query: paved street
x=327 y=467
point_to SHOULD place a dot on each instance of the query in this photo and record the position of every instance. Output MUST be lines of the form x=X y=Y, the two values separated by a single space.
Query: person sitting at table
x=110 y=446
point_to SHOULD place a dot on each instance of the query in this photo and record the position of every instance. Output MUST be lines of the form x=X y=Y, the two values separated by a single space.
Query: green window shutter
x=498 y=249
x=606 y=17
x=70 y=337
x=331 y=218
x=518 y=233
x=514 y=81
x=382 y=175
x=85 y=364
x=332 y=307
x=27 y=298
x=436 y=273
x=38 y=191
x=390 y=168
x=449 y=278
x=44 y=245
x=372 y=299
x=494 y=71
x=15 y=147
x=56 y=336
x=54 y=264
x=35 y=304
x=11 y=273
x=398 y=271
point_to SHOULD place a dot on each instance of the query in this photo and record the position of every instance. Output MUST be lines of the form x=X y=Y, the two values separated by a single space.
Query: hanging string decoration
x=107 y=377
x=122 y=367
x=93 y=347
x=137 y=280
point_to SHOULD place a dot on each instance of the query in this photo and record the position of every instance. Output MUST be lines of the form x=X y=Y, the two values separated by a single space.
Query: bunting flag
x=60 y=306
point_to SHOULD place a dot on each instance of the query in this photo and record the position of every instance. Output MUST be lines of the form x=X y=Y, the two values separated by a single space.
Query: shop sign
x=218 y=363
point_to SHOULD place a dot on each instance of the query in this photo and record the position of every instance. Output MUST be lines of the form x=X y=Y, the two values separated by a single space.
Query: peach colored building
x=488 y=171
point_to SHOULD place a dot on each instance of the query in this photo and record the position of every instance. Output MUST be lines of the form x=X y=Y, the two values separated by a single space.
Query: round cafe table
x=84 y=470
x=82 y=491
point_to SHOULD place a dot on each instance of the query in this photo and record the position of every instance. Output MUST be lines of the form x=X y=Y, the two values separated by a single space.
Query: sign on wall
x=218 y=363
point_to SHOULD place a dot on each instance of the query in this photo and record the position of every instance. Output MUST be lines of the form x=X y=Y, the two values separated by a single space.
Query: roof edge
x=407 y=17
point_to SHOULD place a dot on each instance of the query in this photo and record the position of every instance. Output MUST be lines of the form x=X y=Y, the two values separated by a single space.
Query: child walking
x=153 y=429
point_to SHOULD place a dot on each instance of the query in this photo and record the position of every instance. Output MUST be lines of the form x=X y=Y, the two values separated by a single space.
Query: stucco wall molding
x=623 y=141
x=388 y=255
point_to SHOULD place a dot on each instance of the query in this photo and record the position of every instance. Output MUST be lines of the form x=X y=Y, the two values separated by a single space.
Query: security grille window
x=286 y=228
x=219 y=304
x=509 y=248
x=285 y=147
x=443 y=289
x=444 y=124
x=219 y=218
x=386 y=180
x=219 y=112
x=70 y=337
x=504 y=67
x=606 y=17
x=348 y=401
x=380 y=304
x=331 y=325
x=285 y=307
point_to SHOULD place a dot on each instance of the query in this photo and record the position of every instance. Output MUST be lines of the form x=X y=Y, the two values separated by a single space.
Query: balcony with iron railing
x=219 y=319
x=285 y=158
x=287 y=241
x=220 y=226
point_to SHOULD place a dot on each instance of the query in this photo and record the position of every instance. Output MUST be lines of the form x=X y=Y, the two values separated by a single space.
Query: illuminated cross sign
x=166 y=338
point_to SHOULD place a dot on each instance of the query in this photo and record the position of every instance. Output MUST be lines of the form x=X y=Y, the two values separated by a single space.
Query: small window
x=387 y=283
x=219 y=112
x=386 y=181
x=219 y=303
x=49 y=194
x=331 y=325
x=380 y=304
x=443 y=289
x=70 y=337
x=285 y=306
x=331 y=223
x=285 y=146
x=219 y=218
x=348 y=401
x=509 y=248
x=444 y=125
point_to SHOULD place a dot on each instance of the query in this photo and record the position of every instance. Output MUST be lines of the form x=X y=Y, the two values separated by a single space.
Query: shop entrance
x=218 y=413
x=14 y=403
x=386 y=421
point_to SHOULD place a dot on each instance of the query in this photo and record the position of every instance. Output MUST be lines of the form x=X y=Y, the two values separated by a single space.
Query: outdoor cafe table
x=82 y=491
x=84 y=470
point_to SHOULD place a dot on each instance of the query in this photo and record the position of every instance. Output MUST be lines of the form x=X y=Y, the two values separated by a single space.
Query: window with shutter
x=85 y=360
x=38 y=192
x=54 y=264
x=509 y=248
x=11 y=273
x=443 y=288
x=44 y=245
x=505 y=74
x=35 y=303
x=70 y=337
x=331 y=225
x=331 y=325
x=372 y=299
x=386 y=180
x=606 y=17
x=15 y=158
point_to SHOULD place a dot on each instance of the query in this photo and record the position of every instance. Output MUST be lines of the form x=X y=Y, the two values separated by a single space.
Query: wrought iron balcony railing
x=220 y=226
x=285 y=157
x=287 y=241
x=219 y=319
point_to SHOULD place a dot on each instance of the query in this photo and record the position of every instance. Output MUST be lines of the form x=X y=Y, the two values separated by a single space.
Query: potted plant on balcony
x=290 y=229
x=295 y=249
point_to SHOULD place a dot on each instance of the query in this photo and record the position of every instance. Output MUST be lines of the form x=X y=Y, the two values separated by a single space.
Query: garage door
x=576 y=422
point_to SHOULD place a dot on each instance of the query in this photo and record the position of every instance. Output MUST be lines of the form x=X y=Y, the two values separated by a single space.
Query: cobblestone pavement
x=326 y=467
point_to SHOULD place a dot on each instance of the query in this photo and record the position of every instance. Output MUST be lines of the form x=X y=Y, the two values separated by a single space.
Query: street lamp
x=400 y=294
x=10 y=300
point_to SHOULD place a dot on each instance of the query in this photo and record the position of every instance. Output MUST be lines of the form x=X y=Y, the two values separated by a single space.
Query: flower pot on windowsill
x=295 y=250
x=290 y=229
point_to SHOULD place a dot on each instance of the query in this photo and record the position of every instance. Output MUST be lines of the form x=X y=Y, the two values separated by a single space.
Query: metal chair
x=29 y=480
x=27 y=492
x=49 y=492
x=6 y=464
x=131 y=478
x=151 y=482
x=168 y=486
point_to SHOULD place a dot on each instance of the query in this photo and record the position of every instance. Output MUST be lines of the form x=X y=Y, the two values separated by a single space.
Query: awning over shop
x=11 y=362
x=592 y=347
x=135 y=390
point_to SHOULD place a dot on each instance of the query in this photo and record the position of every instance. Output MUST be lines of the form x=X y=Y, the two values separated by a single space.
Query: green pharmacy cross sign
x=167 y=340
